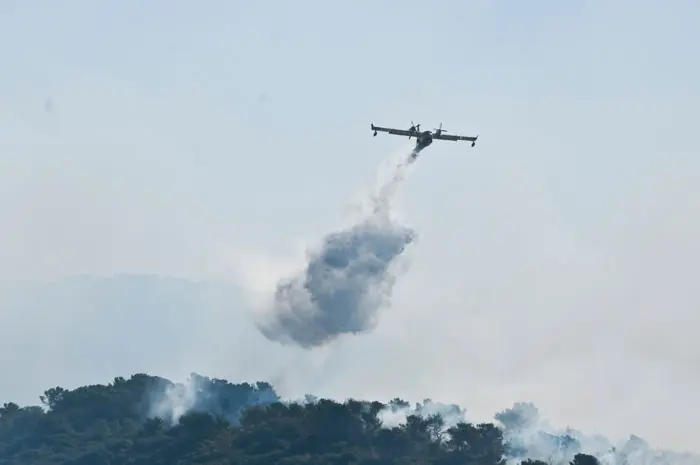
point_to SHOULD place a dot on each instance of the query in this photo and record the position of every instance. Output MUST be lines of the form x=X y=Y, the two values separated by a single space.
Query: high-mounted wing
x=398 y=132
x=451 y=137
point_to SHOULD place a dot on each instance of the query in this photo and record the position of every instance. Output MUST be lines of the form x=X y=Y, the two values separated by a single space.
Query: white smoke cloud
x=396 y=412
x=172 y=401
x=528 y=436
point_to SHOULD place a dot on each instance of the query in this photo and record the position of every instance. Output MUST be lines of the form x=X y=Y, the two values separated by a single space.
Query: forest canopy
x=148 y=420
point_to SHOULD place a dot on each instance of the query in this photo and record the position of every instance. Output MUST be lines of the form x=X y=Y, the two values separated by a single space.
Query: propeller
x=415 y=127
x=439 y=130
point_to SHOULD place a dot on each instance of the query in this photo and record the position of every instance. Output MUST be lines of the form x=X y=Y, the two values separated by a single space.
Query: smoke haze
x=171 y=401
x=525 y=433
x=557 y=261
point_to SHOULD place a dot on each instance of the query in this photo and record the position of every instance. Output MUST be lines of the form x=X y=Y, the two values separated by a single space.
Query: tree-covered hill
x=147 y=420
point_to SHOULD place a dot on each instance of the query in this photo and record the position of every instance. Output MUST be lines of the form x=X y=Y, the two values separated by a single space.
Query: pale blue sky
x=200 y=139
x=254 y=117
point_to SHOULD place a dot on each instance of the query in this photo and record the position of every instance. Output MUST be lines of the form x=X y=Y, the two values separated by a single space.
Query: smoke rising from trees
x=149 y=419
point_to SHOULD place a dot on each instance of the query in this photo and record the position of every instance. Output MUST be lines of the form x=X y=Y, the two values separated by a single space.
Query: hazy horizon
x=554 y=261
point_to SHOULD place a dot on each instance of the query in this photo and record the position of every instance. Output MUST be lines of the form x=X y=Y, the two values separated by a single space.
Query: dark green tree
x=225 y=423
x=584 y=459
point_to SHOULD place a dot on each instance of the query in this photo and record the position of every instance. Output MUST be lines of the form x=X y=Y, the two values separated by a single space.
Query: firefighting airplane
x=424 y=138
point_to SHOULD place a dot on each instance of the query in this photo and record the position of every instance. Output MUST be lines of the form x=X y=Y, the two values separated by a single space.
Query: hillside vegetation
x=147 y=420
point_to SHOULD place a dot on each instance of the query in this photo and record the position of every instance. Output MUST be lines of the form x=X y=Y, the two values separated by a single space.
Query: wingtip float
x=423 y=138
